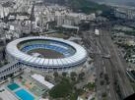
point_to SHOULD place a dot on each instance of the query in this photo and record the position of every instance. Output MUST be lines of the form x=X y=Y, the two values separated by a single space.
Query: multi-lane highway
x=94 y=48
x=118 y=64
x=115 y=67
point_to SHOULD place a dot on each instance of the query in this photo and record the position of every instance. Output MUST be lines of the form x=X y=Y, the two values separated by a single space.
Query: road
x=118 y=64
x=94 y=47
x=115 y=67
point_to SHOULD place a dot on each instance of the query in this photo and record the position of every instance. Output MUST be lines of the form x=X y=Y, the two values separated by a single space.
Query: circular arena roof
x=73 y=54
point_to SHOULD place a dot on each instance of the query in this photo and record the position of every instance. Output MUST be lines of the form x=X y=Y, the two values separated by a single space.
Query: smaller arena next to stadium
x=46 y=53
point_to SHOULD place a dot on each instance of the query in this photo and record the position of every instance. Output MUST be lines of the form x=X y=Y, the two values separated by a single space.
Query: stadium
x=46 y=53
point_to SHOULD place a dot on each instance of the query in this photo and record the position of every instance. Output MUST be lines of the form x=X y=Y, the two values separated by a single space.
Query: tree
x=107 y=79
x=64 y=74
x=81 y=76
x=104 y=95
x=90 y=86
x=61 y=90
x=55 y=74
x=93 y=98
x=101 y=82
x=47 y=78
x=101 y=74
x=73 y=76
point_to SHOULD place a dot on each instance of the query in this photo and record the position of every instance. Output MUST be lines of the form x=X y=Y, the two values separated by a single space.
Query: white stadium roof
x=73 y=60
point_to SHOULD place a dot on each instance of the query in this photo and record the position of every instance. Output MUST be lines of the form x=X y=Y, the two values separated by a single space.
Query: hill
x=86 y=6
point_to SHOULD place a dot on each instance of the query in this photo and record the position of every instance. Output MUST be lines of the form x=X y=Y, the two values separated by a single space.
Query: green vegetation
x=62 y=89
x=107 y=79
x=57 y=78
x=65 y=89
x=73 y=76
x=66 y=86
x=130 y=33
x=93 y=99
x=117 y=88
x=55 y=74
x=101 y=82
x=58 y=35
x=90 y=86
x=104 y=95
x=86 y=6
x=81 y=76
x=64 y=74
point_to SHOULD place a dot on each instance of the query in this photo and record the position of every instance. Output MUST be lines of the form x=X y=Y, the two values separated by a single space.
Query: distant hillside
x=86 y=6
x=118 y=2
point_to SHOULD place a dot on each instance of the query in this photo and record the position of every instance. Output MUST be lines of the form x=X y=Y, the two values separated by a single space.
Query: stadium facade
x=46 y=53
